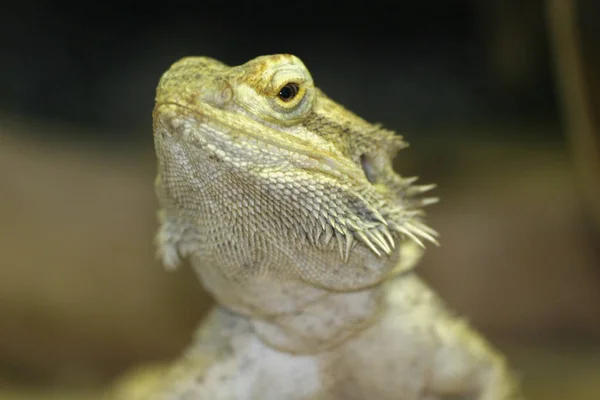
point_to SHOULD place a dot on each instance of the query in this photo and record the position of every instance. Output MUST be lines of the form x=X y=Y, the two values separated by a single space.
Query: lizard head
x=256 y=162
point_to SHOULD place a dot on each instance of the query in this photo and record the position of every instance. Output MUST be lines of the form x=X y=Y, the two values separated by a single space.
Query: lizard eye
x=290 y=95
x=288 y=92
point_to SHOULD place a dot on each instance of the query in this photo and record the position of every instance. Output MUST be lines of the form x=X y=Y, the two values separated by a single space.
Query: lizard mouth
x=218 y=123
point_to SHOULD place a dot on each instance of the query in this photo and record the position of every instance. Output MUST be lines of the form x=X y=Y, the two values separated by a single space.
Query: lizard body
x=288 y=208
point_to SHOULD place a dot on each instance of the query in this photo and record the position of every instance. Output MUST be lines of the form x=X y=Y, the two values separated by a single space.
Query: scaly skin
x=287 y=207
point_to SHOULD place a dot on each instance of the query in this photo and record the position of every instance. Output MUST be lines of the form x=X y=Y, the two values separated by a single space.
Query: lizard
x=288 y=208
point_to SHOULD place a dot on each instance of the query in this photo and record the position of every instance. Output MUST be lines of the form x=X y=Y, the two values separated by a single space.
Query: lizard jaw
x=221 y=126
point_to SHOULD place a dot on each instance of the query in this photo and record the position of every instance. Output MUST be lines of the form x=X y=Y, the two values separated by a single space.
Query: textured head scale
x=255 y=160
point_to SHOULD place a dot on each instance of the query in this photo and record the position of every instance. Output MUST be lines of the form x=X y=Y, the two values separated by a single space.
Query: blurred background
x=500 y=100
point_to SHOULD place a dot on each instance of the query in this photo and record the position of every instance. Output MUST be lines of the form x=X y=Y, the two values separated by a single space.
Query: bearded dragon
x=287 y=207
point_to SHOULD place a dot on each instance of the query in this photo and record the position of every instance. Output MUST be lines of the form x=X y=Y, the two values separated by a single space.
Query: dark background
x=413 y=64
x=476 y=87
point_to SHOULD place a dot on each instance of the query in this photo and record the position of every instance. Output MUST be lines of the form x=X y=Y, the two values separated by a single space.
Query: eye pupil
x=288 y=92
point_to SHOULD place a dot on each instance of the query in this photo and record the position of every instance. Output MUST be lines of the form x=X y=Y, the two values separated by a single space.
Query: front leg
x=419 y=351
x=203 y=372
x=466 y=367
x=228 y=361
x=463 y=364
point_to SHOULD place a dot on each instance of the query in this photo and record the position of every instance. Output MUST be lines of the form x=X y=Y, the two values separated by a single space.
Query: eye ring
x=288 y=92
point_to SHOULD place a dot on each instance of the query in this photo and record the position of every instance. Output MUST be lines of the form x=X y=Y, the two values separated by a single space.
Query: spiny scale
x=419 y=189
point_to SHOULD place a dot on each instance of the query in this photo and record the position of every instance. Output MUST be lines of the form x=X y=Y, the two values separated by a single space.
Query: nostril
x=368 y=169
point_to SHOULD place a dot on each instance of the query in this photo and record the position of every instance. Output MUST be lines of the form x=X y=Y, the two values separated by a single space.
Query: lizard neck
x=291 y=315
x=323 y=324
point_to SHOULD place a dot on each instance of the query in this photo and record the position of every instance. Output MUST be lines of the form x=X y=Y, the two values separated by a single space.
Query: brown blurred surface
x=519 y=255
x=81 y=295
x=82 y=298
